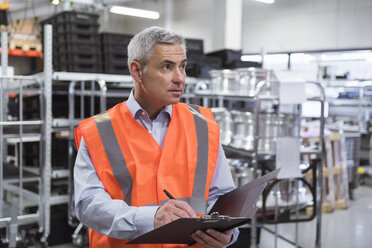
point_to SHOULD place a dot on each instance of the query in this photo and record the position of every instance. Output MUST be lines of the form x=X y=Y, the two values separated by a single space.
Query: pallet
x=329 y=196
x=326 y=209
x=25 y=45
x=341 y=204
x=335 y=180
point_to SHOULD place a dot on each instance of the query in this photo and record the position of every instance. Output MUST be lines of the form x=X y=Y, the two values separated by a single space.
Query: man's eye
x=167 y=66
x=183 y=67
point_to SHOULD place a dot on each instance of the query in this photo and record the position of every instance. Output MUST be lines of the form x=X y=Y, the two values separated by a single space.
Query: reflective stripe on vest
x=121 y=172
x=114 y=155
x=197 y=201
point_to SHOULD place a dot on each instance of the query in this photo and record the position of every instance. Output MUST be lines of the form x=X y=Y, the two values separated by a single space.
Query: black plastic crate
x=215 y=62
x=76 y=38
x=193 y=57
x=71 y=18
x=119 y=49
x=69 y=47
x=76 y=17
x=116 y=68
x=241 y=64
x=209 y=63
x=31 y=107
x=195 y=45
x=112 y=38
x=114 y=58
x=79 y=58
x=227 y=55
x=60 y=231
x=79 y=67
x=60 y=105
x=76 y=28
x=193 y=70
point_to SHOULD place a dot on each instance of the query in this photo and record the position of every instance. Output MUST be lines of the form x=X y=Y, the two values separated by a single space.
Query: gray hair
x=141 y=45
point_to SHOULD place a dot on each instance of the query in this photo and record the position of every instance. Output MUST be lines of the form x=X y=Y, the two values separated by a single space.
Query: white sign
x=288 y=157
x=292 y=87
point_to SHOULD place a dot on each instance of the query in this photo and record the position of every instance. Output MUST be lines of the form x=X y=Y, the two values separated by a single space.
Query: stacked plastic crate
x=199 y=65
x=76 y=43
x=114 y=49
x=231 y=59
x=195 y=51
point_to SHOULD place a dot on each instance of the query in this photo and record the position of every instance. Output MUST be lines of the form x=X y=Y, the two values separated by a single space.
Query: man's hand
x=212 y=238
x=172 y=210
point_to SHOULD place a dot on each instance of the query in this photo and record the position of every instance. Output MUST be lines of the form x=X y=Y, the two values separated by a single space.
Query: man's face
x=163 y=80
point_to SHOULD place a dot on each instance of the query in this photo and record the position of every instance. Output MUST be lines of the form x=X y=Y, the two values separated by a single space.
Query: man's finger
x=223 y=237
x=205 y=240
x=185 y=207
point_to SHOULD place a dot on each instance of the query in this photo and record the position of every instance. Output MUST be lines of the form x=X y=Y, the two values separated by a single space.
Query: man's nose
x=179 y=76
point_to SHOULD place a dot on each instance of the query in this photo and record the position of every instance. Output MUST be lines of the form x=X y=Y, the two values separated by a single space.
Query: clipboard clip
x=214 y=216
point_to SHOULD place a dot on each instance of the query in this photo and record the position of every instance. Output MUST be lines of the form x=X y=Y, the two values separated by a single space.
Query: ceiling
x=23 y=9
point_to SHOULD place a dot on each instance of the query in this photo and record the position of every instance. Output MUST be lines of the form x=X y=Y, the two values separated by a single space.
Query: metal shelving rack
x=346 y=107
x=358 y=108
x=49 y=77
x=255 y=157
x=17 y=133
x=15 y=198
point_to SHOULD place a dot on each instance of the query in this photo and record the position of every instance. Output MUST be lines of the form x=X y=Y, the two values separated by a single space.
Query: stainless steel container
x=271 y=87
x=249 y=77
x=243 y=130
x=271 y=126
x=268 y=131
x=224 y=120
x=241 y=171
x=224 y=82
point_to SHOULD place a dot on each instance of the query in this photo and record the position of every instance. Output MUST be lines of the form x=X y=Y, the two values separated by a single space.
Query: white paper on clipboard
x=288 y=157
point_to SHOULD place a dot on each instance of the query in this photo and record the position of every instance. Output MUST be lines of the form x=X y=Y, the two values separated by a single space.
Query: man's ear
x=136 y=71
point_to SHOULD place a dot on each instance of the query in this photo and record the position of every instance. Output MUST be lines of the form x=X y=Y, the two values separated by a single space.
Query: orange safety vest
x=134 y=168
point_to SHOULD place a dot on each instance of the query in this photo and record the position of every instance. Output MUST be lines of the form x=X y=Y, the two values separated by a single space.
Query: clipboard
x=241 y=202
x=179 y=231
x=231 y=210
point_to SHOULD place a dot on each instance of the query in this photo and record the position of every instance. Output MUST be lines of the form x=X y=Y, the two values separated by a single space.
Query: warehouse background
x=235 y=41
x=285 y=26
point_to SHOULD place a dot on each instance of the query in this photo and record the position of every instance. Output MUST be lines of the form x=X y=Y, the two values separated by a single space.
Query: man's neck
x=152 y=109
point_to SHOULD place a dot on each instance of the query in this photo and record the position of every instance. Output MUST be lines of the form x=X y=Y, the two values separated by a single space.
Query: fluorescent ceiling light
x=348 y=56
x=251 y=58
x=266 y=1
x=276 y=58
x=135 y=12
x=302 y=58
x=55 y=2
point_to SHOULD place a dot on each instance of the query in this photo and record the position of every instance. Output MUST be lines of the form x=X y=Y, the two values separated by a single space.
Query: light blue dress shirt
x=96 y=209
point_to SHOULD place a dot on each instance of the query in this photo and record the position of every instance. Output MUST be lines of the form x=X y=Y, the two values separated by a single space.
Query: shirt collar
x=134 y=106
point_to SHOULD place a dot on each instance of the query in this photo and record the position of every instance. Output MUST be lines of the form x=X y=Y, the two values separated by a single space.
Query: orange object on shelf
x=20 y=52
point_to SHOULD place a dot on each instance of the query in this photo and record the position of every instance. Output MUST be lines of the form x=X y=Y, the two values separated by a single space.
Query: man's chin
x=174 y=100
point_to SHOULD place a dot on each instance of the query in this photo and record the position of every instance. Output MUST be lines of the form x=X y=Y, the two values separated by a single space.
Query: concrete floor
x=351 y=228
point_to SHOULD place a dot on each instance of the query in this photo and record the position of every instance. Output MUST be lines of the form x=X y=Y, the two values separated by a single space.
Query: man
x=133 y=152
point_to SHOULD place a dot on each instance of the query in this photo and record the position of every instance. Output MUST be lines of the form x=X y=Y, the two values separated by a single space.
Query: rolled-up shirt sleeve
x=96 y=209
